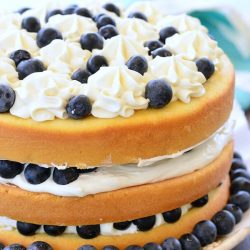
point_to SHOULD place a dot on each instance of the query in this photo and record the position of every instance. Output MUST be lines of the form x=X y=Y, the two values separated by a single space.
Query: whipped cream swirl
x=8 y=74
x=10 y=21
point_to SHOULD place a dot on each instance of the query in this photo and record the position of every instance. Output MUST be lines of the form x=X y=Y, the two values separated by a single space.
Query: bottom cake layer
x=217 y=201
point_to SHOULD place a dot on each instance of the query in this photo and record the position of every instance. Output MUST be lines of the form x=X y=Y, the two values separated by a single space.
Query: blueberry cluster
x=37 y=245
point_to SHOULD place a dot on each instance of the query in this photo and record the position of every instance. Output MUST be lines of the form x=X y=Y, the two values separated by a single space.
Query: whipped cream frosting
x=107 y=179
x=185 y=79
x=10 y=21
x=8 y=74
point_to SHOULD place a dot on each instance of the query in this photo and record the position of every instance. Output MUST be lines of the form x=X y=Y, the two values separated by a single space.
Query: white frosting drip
x=8 y=73
x=64 y=57
x=44 y=95
x=72 y=26
x=107 y=179
x=185 y=80
x=116 y=91
x=10 y=21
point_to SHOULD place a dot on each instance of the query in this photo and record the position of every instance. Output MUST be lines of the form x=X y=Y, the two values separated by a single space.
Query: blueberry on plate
x=161 y=52
x=105 y=20
x=138 y=64
x=95 y=63
x=171 y=244
x=54 y=230
x=35 y=174
x=239 y=173
x=237 y=164
x=15 y=247
x=138 y=15
x=122 y=225
x=53 y=13
x=145 y=224
x=70 y=9
x=108 y=31
x=206 y=232
x=65 y=176
x=159 y=93
x=22 y=10
x=10 y=169
x=31 y=24
x=190 y=242
x=112 y=8
x=39 y=245
x=29 y=67
x=224 y=222
x=27 y=229
x=200 y=202
x=153 y=45
x=89 y=231
x=235 y=211
x=241 y=199
x=167 y=32
x=240 y=184
x=90 y=41
x=206 y=67
x=172 y=216
x=83 y=12
x=133 y=247
x=19 y=55
x=87 y=247
x=46 y=35
x=79 y=107
x=152 y=246
x=110 y=247
x=81 y=75
x=237 y=156
x=7 y=98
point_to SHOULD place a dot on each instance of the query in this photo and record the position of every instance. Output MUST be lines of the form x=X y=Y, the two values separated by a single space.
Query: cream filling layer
x=107 y=179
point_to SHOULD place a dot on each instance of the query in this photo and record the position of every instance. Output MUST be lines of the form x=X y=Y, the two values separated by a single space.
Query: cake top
x=101 y=60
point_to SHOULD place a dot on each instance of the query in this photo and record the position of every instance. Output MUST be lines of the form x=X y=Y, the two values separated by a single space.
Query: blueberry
x=122 y=225
x=167 y=32
x=239 y=173
x=237 y=164
x=235 y=211
x=10 y=169
x=146 y=223
x=87 y=247
x=87 y=170
x=190 y=242
x=83 y=12
x=46 y=35
x=138 y=64
x=7 y=98
x=237 y=156
x=91 y=41
x=35 y=174
x=39 y=245
x=110 y=247
x=15 y=247
x=152 y=246
x=70 y=9
x=96 y=17
x=161 y=52
x=53 y=13
x=224 y=222
x=240 y=184
x=133 y=247
x=81 y=75
x=159 y=93
x=108 y=31
x=206 y=232
x=200 y=202
x=29 y=67
x=105 y=20
x=112 y=8
x=153 y=45
x=19 y=55
x=79 y=107
x=22 y=10
x=31 y=24
x=26 y=229
x=65 y=176
x=171 y=244
x=206 y=67
x=241 y=199
x=138 y=15
x=88 y=232
x=54 y=230
x=95 y=63
x=172 y=216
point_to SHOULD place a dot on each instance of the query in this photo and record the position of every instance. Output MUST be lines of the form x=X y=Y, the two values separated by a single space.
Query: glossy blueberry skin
x=88 y=232
x=87 y=247
x=241 y=199
x=105 y=20
x=39 y=245
x=96 y=17
x=31 y=24
x=239 y=173
x=190 y=242
x=95 y=63
x=108 y=31
x=237 y=164
x=10 y=169
x=145 y=224
x=152 y=246
x=236 y=155
x=171 y=244
x=35 y=174
x=112 y=8
x=240 y=184
x=83 y=12
x=70 y=9
x=224 y=222
x=53 y=13
x=159 y=93
x=15 y=247
x=81 y=75
x=122 y=225
x=200 y=202
x=138 y=15
x=7 y=98
x=166 y=33
x=27 y=229
x=161 y=52
x=65 y=176
x=79 y=107
x=46 y=35
x=138 y=64
x=110 y=247
x=90 y=41
x=133 y=247
x=19 y=55
x=22 y=10
x=235 y=211
x=153 y=45
x=54 y=230
x=172 y=216
x=206 y=67
x=206 y=232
